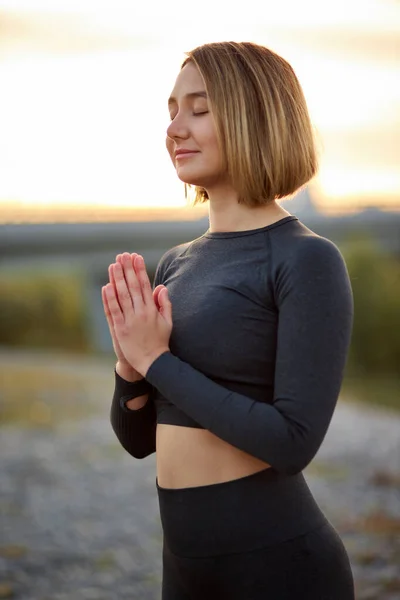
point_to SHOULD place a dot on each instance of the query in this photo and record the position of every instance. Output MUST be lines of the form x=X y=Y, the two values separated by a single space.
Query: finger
x=156 y=293
x=128 y=298
x=105 y=304
x=120 y=260
x=132 y=282
x=112 y=279
x=111 y=275
x=108 y=317
x=133 y=256
x=119 y=257
x=141 y=272
x=107 y=311
x=117 y=315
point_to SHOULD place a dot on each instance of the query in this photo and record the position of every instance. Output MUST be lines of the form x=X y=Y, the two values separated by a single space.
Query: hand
x=140 y=318
x=117 y=349
x=128 y=371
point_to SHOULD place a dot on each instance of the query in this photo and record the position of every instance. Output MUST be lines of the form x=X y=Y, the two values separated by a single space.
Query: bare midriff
x=190 y=457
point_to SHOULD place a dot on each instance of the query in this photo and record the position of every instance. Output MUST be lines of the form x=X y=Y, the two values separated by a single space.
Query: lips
x=183 y=152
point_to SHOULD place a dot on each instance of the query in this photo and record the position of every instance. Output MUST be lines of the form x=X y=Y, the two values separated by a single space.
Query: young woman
x=230 y=368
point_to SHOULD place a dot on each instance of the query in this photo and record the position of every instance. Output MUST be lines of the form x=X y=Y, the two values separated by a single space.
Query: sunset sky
x=84 y=88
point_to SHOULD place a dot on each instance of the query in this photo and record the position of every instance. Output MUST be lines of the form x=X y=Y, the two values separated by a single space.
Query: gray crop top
x=262 y=322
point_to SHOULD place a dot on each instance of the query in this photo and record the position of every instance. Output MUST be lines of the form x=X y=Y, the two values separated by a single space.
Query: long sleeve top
x=262 y=322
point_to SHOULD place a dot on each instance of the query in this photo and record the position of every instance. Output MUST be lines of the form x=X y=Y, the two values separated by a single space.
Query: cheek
x=210 y=138
x=212 y=145
x=170 y=145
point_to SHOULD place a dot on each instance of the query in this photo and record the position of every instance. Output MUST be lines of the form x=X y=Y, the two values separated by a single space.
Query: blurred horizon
x=84 y=112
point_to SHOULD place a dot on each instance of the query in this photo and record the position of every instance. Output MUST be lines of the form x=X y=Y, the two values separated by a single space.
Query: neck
x=225 y=214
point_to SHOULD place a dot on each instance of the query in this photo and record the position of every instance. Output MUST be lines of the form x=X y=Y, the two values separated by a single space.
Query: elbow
x=296 y=450
x=138 y=447
x=139 y=454
x=288 y=467
x=138 y=451
x=292 y=468
x=146 y=448
x=293 y=463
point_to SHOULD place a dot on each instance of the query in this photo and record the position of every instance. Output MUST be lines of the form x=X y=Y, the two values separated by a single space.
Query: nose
x=178 y=128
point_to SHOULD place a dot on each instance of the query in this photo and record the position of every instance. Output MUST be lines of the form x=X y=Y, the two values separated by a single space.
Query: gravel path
x=79 y=517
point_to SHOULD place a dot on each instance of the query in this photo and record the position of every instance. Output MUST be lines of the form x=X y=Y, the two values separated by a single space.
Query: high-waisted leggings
x=259 y=537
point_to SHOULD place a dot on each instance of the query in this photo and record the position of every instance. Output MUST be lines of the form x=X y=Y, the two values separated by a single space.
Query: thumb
x=165 y=305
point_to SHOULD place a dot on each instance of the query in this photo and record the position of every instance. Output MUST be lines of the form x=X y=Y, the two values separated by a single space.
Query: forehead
x=189 y=81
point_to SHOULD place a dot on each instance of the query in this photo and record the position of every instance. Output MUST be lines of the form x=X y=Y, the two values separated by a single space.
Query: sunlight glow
x=88 y=128
x=340 y=182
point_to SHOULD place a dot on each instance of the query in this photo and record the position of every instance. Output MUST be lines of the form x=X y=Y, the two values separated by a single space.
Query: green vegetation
x=373 y=369
x=375 y=279
x=43 y=310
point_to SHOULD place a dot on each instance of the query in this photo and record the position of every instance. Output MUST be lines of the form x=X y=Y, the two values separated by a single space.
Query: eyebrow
x=201 y=94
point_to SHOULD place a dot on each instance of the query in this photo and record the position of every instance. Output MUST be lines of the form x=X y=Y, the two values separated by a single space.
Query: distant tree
x=375 y=279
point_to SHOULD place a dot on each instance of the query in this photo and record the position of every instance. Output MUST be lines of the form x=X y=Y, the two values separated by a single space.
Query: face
x=192 y=128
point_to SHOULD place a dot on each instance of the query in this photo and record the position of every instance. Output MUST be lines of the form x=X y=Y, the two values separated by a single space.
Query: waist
x=188 y=457
x=248 y=513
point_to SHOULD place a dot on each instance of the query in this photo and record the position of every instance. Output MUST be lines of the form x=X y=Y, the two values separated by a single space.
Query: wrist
x=148 y=360
x=131 y=389
x=127 y=372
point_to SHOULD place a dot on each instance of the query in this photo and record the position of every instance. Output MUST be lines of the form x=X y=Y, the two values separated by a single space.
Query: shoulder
x=315 y=251
x=305 y=261
x=300 y=247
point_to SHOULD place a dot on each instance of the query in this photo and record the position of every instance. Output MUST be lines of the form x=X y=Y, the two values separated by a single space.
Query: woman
x=232 y=365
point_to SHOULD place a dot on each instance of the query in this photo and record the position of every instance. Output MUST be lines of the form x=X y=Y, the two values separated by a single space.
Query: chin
x=201 y=180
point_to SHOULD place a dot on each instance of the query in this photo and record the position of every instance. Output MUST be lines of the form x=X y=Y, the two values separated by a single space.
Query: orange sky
x=83 y=115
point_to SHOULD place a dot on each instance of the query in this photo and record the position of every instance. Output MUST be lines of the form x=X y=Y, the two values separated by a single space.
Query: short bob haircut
x=261 y=118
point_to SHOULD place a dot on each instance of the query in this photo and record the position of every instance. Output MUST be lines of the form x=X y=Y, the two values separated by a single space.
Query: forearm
x=271 y=433
x=256 y=428
x=133 y=421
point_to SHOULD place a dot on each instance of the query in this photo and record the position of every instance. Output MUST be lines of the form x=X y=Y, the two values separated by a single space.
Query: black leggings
x=259 y=537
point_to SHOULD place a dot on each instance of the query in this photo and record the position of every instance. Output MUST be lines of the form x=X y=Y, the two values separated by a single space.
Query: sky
x=83 y=107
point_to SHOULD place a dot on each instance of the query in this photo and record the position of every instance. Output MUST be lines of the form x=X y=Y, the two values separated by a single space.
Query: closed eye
x=194 y=114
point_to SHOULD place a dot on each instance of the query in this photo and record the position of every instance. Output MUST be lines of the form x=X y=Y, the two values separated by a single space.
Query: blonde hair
x=262 y=122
